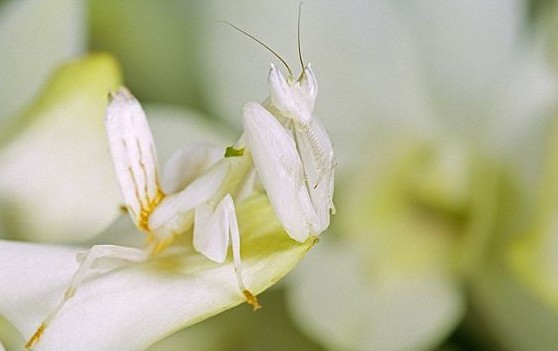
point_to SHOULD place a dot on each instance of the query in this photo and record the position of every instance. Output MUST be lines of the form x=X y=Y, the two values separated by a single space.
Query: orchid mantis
x=292 y=154
x=283 y=141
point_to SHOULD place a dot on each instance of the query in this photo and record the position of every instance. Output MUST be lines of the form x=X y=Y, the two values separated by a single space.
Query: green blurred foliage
x=157 y=43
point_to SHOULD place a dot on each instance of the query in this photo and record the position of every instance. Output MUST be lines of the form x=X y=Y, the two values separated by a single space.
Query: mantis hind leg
x=235 y=243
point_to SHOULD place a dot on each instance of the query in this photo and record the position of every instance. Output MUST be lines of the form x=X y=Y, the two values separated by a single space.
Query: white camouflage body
x=293 y=154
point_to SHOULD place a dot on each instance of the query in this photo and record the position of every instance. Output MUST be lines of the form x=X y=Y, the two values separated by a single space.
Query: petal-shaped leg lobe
x=280 y=170
x=211 y=231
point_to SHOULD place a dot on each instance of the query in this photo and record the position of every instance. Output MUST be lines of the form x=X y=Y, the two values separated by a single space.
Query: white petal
x=187 y=164
x=133 y=154
x=175 y=126
x=48 y=34
x=56 y=177
x=280 y=170
x=133 y=307
x=467 y=62
x=339 y=300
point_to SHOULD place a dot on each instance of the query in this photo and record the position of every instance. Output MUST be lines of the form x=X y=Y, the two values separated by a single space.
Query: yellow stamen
x=145 y=212
x=35 y=338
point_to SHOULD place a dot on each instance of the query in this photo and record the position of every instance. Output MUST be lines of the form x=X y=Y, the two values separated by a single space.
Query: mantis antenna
x=298 y=43
x=262 y=44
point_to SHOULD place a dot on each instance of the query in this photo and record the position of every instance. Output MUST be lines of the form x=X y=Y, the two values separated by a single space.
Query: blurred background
x=444 y=118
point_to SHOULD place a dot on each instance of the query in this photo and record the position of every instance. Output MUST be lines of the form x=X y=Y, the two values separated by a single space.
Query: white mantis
x=282 y=139
x=293 y=154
